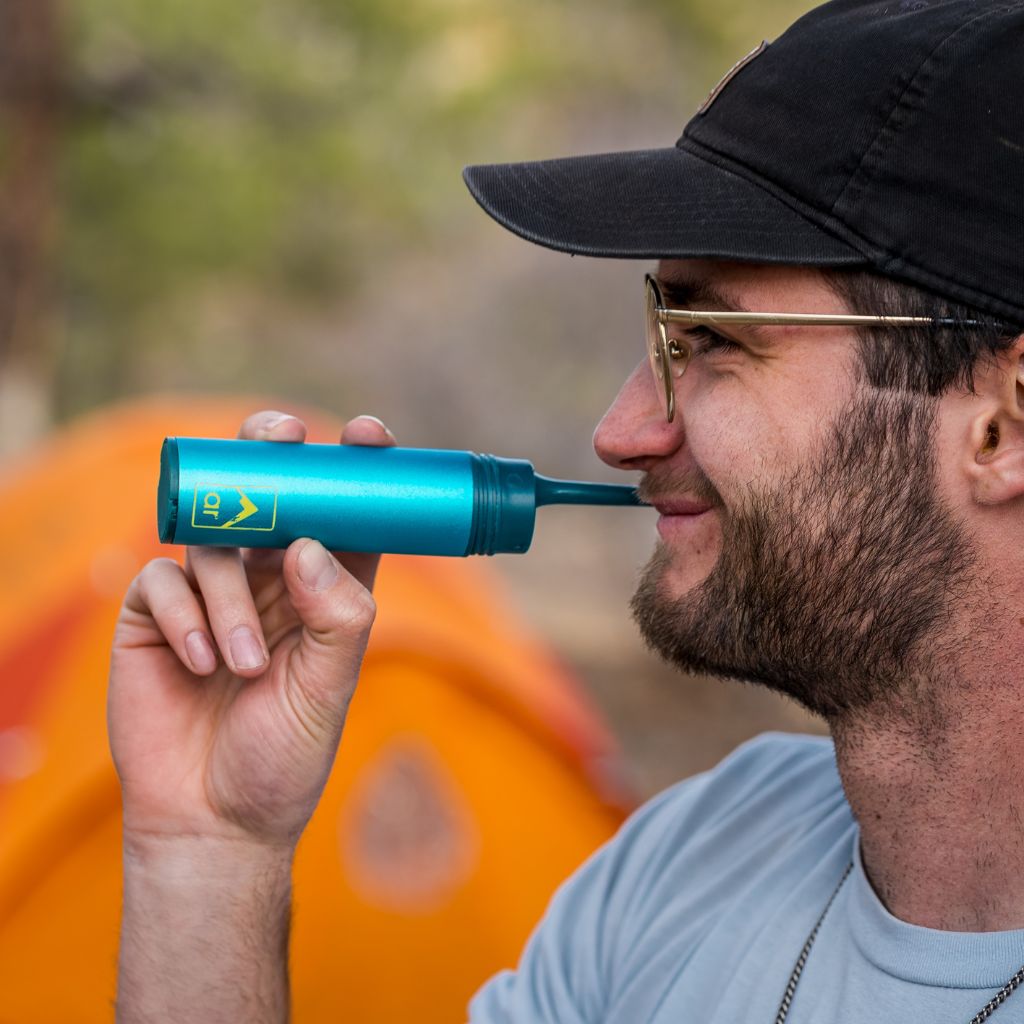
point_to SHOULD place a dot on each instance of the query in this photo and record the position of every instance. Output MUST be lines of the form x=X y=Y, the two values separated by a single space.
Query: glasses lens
x=657 y=347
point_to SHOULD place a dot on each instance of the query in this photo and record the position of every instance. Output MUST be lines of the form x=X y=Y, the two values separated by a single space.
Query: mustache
x=663 y=485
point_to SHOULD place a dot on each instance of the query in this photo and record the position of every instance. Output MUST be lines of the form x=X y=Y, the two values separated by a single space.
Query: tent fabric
x=473 y=776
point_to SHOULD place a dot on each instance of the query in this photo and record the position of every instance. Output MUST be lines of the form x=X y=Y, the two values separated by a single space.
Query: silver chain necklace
x=780 y=1018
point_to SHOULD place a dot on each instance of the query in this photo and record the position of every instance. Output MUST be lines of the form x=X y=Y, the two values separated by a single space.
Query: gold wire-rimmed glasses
x=669 y=356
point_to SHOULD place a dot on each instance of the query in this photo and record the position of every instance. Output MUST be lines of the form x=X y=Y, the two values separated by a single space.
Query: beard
x=834 y=588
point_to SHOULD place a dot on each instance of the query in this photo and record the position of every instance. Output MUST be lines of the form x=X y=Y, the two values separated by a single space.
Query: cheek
x=740 y=443
x=737 y=442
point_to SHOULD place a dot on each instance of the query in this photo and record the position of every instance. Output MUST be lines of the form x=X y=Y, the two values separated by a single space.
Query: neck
x=937 y=791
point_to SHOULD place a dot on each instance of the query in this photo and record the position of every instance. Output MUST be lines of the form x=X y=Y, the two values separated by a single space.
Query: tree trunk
x=29 y=112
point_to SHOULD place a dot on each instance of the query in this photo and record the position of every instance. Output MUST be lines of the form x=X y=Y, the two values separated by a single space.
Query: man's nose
x=634 y=433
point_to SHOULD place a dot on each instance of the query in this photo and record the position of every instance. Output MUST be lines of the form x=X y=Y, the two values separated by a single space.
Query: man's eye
x=703 y=340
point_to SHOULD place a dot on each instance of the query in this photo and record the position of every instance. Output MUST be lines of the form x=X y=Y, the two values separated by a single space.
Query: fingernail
x=200 y=651
x=378 y=421
x=246 y=651
x=274 y=421
x=317 y=569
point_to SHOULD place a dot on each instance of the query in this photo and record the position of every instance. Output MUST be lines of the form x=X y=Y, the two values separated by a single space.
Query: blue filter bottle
x=416 y=501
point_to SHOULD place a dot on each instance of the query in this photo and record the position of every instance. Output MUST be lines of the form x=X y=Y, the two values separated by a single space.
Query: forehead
x=759 y=287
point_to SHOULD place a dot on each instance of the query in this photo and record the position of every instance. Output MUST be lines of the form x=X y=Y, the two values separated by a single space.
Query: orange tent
x=471 y=780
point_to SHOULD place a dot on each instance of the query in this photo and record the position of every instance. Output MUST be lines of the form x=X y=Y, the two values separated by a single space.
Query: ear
x=997 y=429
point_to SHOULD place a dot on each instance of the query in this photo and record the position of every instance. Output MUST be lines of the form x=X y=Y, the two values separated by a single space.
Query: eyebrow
x=697 y=293
x=700 y=293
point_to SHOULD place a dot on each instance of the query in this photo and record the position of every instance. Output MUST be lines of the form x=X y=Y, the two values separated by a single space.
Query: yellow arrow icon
x=248 y=509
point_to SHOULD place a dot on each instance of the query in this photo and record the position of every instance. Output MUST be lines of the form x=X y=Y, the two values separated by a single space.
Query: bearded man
x=829 y=418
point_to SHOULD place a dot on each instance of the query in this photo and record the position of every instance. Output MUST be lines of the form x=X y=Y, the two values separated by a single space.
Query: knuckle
x=151 y=571
x=358 y=610
x=145 y=590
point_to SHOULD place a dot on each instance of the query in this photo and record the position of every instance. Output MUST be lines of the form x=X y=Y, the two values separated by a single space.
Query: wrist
x=193 y=857
x=204 y=929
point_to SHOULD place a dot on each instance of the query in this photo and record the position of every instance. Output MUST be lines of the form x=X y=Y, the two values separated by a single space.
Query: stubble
x=834 y=587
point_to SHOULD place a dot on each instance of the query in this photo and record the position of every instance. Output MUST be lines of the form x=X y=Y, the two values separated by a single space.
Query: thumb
x=337 y=612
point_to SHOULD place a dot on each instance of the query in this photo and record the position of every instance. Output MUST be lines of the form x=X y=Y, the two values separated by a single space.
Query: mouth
x=679 y=516
x=681 y=507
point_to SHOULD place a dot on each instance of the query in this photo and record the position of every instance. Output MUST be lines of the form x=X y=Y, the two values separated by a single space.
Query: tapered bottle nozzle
x=507 y=493
x=579 y=492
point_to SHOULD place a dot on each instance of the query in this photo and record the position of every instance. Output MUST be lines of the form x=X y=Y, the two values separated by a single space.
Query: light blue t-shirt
x=696 y=911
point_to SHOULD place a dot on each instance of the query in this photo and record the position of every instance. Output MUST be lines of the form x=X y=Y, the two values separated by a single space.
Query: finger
x=336 y=612
x=370 y=431
x=222 y=579
x=271 y=425
x=266 y=425
x=361 y=565
x=263 y=561
x=189 y=570
x=367 y=430
x=162 y=591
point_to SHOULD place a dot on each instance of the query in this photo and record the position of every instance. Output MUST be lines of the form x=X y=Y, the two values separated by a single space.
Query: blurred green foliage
x=265 y=195
x=283 y=148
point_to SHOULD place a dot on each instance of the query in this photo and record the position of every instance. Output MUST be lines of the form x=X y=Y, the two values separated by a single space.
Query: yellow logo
x=220 y=507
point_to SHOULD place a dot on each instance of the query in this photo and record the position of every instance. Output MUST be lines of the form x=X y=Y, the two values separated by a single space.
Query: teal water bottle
x=416 y=501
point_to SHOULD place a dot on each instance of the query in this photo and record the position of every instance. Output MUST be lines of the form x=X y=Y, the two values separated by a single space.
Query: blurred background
x=213 y=206
x=212 y=197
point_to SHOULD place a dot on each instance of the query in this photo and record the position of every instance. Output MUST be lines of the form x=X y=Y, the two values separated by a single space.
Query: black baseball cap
x=886 y=135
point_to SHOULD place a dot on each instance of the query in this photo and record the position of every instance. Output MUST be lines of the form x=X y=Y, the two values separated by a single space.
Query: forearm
x=204 y=933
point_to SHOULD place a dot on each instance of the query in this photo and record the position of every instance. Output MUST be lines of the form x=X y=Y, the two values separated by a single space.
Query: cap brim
x=651 y=204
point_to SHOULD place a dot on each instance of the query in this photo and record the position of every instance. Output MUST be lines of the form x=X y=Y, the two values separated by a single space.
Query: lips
x=681 y=507
x=679 y=518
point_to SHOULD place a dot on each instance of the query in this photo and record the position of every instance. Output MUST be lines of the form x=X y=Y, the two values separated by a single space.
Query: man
x=840 y=510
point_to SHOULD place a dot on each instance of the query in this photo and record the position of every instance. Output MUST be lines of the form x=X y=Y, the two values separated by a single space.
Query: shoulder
x=774 y=767
x=739 y=835
x=774 y=781
x=658 y=885
x=776 y=797
x=771 y=775
x=772 y=753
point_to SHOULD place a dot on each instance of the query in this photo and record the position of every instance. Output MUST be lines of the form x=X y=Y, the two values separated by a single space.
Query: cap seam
x=845 y=234
x=884 y=129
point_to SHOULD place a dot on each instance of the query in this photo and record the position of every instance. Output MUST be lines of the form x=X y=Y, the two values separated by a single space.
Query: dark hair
x=930 y=360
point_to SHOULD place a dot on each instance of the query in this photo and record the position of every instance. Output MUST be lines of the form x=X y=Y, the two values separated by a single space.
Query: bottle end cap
x=167 y=492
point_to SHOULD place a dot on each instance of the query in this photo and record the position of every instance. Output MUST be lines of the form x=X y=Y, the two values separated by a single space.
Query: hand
x=238 y=747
